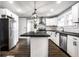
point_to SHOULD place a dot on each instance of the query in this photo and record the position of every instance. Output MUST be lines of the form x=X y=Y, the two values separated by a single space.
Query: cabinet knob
x=75 y=43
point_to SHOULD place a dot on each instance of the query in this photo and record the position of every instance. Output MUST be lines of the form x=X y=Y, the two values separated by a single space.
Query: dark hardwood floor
x=23 y=50
x=54 y=51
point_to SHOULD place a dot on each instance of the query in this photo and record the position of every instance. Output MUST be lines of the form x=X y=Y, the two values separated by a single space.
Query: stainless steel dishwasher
x=63 y=41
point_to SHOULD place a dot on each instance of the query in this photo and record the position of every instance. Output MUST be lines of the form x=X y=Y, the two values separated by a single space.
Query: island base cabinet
x=39 y=46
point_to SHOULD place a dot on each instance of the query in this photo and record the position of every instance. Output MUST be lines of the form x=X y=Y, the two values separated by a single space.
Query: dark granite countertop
x=37 y=34
x=69 y=33
x=65 y=32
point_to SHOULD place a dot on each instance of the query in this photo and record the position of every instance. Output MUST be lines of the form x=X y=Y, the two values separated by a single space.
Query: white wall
x=22 y=25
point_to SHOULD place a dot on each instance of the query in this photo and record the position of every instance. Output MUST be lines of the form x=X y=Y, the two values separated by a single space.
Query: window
x=51 y=21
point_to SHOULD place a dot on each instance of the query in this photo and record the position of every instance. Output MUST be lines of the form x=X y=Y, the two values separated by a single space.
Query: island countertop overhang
x=37 y=34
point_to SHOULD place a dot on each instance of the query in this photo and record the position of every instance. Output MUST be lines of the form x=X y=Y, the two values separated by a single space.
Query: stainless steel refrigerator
x=6 y=34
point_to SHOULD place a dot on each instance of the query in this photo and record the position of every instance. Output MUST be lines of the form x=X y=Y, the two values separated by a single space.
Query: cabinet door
x=75 y=9
x=77 y=46
x=71 y=47
x=57 y=39
x=53 y=37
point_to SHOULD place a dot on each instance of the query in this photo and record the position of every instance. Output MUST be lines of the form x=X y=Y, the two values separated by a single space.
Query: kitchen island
x=38 y=43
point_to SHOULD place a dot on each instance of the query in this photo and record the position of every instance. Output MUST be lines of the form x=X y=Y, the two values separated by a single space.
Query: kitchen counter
x=37 y=34
x=67 y=33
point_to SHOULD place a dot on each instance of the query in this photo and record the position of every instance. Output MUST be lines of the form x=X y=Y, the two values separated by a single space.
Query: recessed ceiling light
x=58 y=2
x=48 y=14
x=19 y=10
x=51 y=10
x=11 y=2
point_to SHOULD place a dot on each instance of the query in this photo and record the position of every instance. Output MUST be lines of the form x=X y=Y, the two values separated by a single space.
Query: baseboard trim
x=61 y=49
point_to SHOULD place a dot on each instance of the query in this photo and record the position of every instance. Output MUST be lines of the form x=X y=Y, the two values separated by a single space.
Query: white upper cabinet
x=75 y=12
x=61 y=21
x=65 y=19
x=6 y=12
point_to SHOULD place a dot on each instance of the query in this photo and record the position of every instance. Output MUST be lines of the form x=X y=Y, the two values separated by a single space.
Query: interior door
x=29 y=26
x=22 y=26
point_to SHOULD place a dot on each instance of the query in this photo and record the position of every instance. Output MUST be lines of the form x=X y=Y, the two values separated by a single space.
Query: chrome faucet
x=62 y=29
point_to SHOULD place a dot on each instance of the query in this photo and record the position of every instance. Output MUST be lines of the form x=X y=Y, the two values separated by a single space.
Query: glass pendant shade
x=34 y=15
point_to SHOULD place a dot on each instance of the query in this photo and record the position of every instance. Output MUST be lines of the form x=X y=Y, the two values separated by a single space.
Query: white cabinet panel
x=75 y=12
x=6 y=12
x=2 y=12
x=39 y=46
x=72 y=46
x=55 y=37
x=78 y=47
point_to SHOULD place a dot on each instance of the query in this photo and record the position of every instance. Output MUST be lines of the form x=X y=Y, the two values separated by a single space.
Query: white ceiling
x=26 y=8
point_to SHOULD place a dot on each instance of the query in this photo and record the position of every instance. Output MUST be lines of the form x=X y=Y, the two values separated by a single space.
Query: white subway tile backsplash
x=71 y=29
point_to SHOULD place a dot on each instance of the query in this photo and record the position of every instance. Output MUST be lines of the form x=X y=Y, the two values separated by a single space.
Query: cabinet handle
x=74 y=38
x=74 y=43
x=55 y=34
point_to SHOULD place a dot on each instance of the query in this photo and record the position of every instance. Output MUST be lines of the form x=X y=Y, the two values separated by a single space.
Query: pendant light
x=34 y=14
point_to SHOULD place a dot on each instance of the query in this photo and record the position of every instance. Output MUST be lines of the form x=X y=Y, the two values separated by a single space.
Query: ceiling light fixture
x=19 y=10
x=48 y=14
x=51 y=10
x=58 y=2
x=11 y=2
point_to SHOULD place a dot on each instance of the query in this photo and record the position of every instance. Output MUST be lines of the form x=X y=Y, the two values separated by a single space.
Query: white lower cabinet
x=55 y=38
x=72 y=43
x=50 y=33
x=73 y=46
